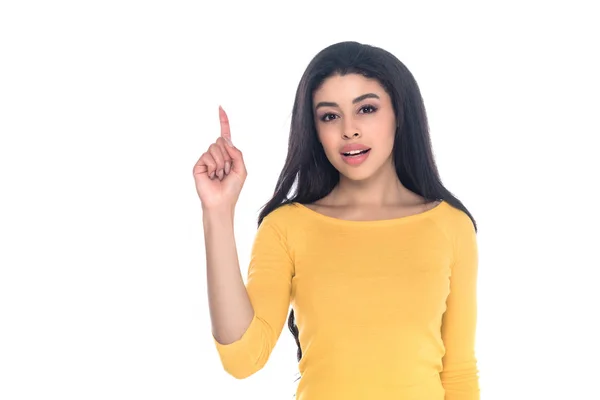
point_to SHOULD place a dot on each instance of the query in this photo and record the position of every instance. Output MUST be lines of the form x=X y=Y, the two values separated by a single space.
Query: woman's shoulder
x=459 y=218
x=283 y=214
x=456 y=223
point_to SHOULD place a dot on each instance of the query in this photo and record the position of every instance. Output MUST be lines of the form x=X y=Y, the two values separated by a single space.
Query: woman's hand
x=220 y=172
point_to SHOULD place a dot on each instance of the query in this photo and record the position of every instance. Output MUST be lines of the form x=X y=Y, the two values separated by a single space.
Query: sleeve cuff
x=242 y=357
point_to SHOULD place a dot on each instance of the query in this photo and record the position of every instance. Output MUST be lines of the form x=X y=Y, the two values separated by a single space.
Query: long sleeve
x=269 y=288
x=460 y=373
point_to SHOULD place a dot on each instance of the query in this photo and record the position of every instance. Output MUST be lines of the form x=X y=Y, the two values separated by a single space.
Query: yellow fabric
x=386 y=309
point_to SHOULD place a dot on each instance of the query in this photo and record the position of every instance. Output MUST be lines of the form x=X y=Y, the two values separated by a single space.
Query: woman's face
x=349 y=111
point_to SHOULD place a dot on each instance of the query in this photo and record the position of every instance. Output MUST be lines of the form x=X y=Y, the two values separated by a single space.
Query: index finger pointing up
x=225 y=132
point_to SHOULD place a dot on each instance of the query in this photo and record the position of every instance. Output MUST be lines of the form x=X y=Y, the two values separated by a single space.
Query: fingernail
x=227 y=167
x=220 y=174
x=212 y=175
x=228 y=141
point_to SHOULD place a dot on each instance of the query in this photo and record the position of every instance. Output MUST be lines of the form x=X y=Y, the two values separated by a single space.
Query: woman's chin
x=356 y=174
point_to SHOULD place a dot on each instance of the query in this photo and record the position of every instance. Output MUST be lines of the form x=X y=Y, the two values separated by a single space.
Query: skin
x=219 y=175
x=372 y=190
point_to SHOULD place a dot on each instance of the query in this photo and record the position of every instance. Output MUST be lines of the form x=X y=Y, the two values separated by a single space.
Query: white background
x=106 y=106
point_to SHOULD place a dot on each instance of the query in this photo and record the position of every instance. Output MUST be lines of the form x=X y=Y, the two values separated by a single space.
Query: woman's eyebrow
x=356 y=100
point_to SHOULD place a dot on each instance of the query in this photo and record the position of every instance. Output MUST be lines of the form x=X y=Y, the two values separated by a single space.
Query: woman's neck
x=383 y=189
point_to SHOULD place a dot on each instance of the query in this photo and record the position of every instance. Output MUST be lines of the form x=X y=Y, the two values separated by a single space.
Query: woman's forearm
x=230 y=308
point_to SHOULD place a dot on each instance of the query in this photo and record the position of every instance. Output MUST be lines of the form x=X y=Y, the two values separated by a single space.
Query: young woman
x=377 y=259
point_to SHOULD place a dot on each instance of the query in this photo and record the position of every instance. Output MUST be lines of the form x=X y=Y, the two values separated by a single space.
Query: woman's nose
x=351 y=135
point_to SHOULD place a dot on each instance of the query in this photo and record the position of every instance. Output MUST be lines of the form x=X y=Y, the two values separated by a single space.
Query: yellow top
x=386 y=309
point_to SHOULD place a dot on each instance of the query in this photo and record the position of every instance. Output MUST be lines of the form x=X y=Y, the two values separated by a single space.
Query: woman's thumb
x=235 y=154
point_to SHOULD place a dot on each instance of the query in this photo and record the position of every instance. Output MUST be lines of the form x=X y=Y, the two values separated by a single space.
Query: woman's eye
x=370 y=108
x=325 y=117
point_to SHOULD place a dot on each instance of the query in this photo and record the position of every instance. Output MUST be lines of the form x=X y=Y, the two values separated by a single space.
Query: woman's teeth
x=355 y=152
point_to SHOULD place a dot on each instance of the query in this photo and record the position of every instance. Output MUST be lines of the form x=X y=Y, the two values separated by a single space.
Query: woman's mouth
x=355 y=157
x=355 y=153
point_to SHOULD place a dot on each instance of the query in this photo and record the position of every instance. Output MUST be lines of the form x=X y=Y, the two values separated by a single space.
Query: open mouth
x=356 y=153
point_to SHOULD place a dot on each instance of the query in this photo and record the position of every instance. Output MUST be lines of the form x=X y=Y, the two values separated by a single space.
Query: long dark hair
x=306 y=164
